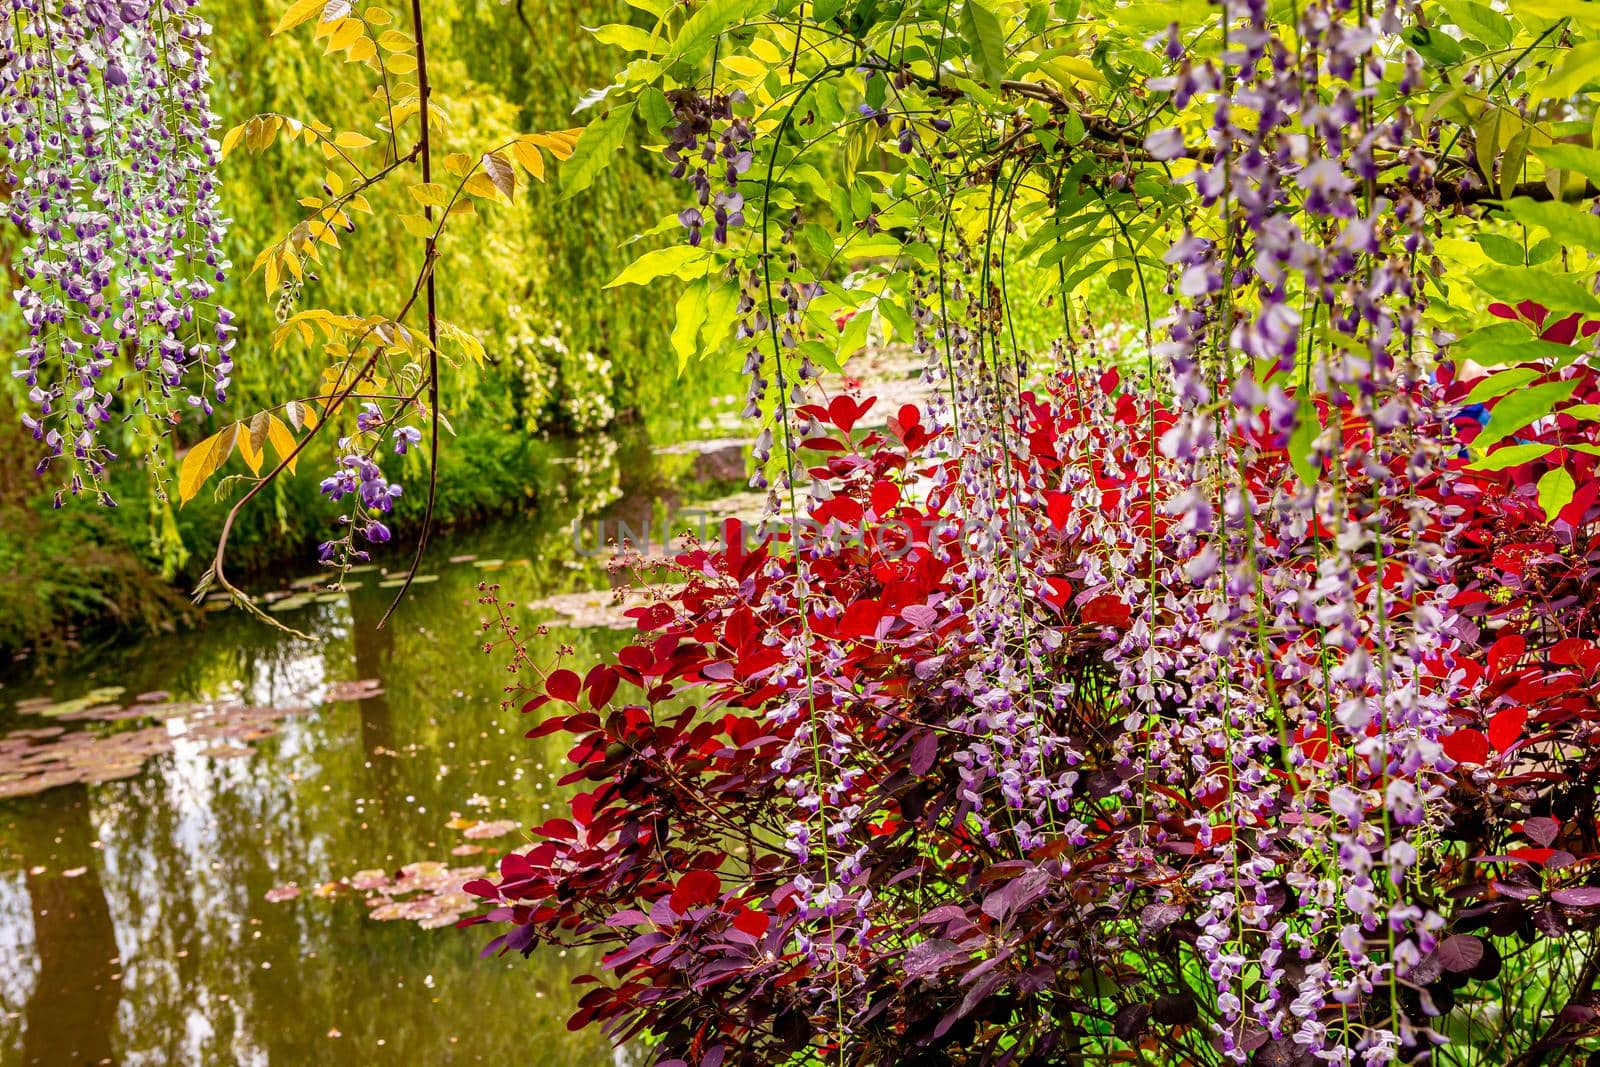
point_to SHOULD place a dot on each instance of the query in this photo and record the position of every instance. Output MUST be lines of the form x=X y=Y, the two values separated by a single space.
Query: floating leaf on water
x=103 y=695
x=226 y=751
x=368 y=879
x=466 y=850
x=365 y=689
x=74 y=872
x=395 y=583
x=490 y=564
x=283 y=892
x=468 y=558
x=155 y=696
x=292 y=603
x=485 y=830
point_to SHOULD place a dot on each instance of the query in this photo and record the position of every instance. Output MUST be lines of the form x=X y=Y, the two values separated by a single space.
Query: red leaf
x=752 y=922
x=1505 y=729
x=885 y=495
x=563 y=685
x=1505 y=652
x=1467 y=746
x=1107 y=611
x=1059 y=506
x=694 y=889
x=602 y=685
x=844 y=412
x=1059 y=591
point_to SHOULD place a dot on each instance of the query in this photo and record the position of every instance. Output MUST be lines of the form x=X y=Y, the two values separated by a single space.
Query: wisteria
x=110 y=166
x=711 y=160
x=1165 y=731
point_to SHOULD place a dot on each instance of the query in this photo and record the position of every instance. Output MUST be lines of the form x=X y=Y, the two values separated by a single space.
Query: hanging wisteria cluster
x=1219 y=697
x=109 y=170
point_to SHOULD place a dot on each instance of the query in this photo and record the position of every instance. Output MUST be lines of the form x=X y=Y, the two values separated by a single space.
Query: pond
x=175 y=785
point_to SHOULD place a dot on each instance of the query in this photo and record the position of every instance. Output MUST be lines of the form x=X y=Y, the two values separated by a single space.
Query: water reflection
x=133 y=925
x=71 y=1013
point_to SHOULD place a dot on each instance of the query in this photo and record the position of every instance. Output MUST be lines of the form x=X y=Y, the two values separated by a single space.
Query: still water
x=134 y=921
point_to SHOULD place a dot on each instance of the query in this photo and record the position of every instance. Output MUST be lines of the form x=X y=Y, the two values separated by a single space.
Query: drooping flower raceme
x=110 y=168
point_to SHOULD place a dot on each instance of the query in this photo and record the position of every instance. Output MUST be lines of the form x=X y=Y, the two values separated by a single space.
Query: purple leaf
x=1460 y=952
x=1580 y=896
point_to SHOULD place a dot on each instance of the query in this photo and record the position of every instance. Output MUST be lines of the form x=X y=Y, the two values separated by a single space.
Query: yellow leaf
x=282 y=441
x=348 y=33
x=559 y=145
x=395 y=41
x=202 y=461
x=458 y=164
x=432 y=194
x=750 y=68
x=363 y=50
x=417 y=226
x=230 y=140
x=482 y=185
x=298 y=12
x=351 y=139
x=377 y=16
x=400 y=62
x=311 y=201
x=249 y=447
x=530 y=157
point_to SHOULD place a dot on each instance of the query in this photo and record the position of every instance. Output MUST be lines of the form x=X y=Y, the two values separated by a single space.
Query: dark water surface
x=134 y=924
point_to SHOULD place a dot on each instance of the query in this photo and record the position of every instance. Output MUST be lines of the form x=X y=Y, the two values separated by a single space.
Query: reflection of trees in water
x=193 y=844
x=71 y=1016
x=374 y=653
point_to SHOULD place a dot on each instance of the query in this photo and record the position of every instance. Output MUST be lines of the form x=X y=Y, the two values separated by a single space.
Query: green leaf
x=691 y=315
x=1502 y=250
x=722 y=310
x=982 y=30
x=1555 y=492
x=703 y=27
x=628 y=38
x=1580 y=67
x=1301 y=441
x=597 y=147
x=658 y=264
x=654 y=109
x=1564 y=221
x=854 y=334
x=1556 y=292
x=899 y=321
x=1585 y=161
x=1511 y=456
x=1518 y=410
x=1502 y=383
x=821 y=355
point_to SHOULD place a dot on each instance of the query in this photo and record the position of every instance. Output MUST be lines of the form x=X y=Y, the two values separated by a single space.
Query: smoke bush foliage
x=1231 y=699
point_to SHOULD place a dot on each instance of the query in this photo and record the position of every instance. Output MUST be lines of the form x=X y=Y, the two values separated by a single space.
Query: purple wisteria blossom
x=112 y=170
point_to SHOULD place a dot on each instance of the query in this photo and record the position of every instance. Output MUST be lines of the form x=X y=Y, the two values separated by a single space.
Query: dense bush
x=1242 y=715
